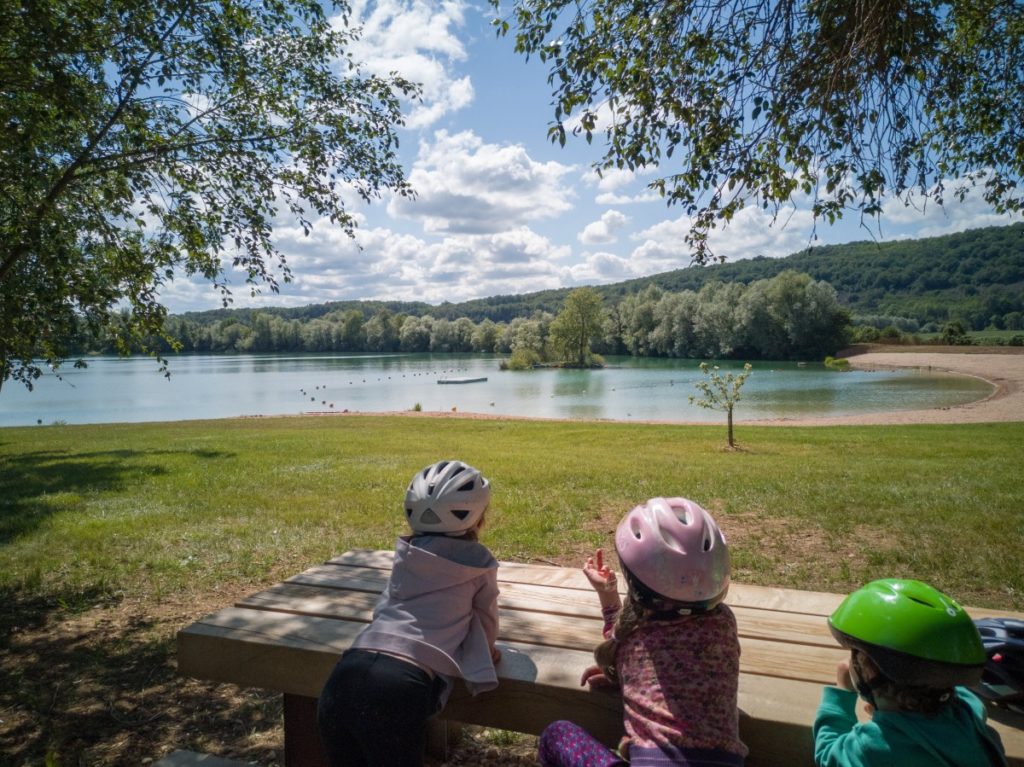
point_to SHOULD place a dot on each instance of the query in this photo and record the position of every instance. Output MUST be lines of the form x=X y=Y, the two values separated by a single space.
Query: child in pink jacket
x=436 y=620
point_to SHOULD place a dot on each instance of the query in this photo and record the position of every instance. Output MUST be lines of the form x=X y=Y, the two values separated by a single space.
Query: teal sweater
x=955 y=737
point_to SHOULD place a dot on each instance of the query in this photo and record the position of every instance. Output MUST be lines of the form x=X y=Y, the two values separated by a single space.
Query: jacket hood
x=435 y=563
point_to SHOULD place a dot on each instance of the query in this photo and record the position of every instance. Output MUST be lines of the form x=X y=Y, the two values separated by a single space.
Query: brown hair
x=628 y=619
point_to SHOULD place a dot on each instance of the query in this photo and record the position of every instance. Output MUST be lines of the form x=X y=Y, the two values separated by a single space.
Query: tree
x=808 y=314
x=143 y=140
x=415 y=334
x=352 y=334
x=581 y=319
x=485 y=336
x=382 y=332
x=761 y=101
x=720 y=392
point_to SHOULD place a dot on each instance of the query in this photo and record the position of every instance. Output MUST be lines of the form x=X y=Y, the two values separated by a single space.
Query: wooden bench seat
x=289 y=637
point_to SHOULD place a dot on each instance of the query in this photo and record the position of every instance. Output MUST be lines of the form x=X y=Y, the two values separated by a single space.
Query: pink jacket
x=440 y=609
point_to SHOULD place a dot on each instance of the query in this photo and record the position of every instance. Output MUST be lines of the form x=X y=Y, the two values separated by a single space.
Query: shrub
x=865 y=334
x=522 y=359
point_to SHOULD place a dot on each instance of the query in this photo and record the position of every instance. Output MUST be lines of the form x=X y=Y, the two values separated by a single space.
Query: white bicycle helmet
x=447 y=497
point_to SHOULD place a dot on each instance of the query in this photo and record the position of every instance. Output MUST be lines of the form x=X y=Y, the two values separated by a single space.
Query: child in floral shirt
x=672 y=648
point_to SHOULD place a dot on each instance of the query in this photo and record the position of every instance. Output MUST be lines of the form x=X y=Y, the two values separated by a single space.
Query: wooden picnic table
x=289 y=637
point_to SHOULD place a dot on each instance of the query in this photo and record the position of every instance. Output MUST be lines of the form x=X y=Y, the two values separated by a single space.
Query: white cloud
x=465 y=186
x=418 y=40
x=611 y=179
x=383 y=264
x=603 y=267
x=603 y=230
x=610 y=198
x=750 y=233
x=929 y=219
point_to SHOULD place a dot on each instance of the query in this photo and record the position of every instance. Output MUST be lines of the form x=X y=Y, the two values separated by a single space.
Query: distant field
x=178 y=508
x=980 y=337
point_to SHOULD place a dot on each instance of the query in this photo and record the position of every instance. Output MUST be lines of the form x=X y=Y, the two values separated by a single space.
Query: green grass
x=980 y=337
x=154 y=509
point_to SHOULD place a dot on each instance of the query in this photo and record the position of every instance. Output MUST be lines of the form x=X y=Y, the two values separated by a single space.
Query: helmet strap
x=866 y=687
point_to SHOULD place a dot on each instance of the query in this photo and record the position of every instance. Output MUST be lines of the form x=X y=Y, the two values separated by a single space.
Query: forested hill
x=976 y=277
x=971 y=276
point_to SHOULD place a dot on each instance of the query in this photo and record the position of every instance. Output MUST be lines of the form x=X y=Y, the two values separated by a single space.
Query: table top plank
x=308 y=594
x=776 y=599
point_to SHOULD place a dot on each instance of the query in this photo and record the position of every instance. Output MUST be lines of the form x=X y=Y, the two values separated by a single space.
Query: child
x=911 y=647
x=672 y=648
x=437 y=619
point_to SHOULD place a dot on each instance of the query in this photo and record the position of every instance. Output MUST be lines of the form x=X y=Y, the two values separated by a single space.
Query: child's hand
x=623 y=748
x=495 y=655
x=602 y=578
x=594 y=677
x=843 y=678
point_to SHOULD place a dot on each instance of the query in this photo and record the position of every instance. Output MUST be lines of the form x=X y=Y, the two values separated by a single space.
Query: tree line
x=790 y=316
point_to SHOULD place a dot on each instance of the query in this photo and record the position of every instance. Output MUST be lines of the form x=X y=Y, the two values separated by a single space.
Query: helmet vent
x=461 y=513
x=466 y=487
x=707 y=543
x=429 y=517
x=920 y=601
x=408 y=512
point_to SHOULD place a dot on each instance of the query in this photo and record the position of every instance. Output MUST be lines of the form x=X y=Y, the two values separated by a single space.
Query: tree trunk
x=729 y=412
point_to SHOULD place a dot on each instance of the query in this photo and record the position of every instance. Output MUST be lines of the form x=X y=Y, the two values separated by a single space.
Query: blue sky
x=499 y=209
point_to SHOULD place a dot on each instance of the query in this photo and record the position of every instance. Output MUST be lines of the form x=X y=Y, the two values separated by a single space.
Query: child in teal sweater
x=912 y=649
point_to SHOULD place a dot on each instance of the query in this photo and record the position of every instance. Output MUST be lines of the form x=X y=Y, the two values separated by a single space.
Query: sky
x=501 y=210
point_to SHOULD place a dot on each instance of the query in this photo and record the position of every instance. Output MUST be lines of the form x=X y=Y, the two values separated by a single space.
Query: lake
x=221 y=386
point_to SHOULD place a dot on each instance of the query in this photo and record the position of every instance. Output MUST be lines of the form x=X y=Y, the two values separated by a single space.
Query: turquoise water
x=208 y=386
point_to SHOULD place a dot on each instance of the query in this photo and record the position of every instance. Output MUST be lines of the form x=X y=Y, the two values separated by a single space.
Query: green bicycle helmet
x=915 y=634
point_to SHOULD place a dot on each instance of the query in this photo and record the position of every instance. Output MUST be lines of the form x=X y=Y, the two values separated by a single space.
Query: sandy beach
x=1005 y=371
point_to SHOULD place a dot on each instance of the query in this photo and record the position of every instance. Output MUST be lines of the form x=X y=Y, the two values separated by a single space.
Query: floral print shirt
x=679 y=680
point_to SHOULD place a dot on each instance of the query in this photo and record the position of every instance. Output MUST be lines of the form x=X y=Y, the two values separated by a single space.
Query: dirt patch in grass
x=100 y=686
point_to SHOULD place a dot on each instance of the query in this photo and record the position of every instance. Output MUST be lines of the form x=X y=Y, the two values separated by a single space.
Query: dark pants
x=373 y=711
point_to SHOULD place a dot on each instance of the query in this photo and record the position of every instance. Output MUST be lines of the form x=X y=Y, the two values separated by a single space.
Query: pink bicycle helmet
x=447 y=497
x=672 y=551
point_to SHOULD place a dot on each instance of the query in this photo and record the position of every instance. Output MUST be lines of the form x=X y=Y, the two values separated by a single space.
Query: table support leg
x=302 y=746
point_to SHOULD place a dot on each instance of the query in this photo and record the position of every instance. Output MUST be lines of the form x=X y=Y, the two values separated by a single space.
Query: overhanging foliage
x=142 y=140
x=846 y=102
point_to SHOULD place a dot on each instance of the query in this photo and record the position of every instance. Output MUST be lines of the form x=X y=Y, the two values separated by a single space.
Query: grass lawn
x=158 y=509
x=112 y=537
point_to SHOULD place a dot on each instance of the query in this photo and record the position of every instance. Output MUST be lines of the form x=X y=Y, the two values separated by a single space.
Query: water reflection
x=112 y=389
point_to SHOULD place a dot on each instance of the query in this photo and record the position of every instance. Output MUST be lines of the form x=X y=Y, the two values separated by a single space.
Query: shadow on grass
x=27 y=480
x=101 y=687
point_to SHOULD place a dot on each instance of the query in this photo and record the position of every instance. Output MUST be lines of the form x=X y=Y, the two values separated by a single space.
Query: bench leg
x=302 y=746
x=442 y=736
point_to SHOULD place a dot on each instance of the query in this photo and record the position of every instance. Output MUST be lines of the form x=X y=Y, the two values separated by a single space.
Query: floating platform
x=460 y=380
